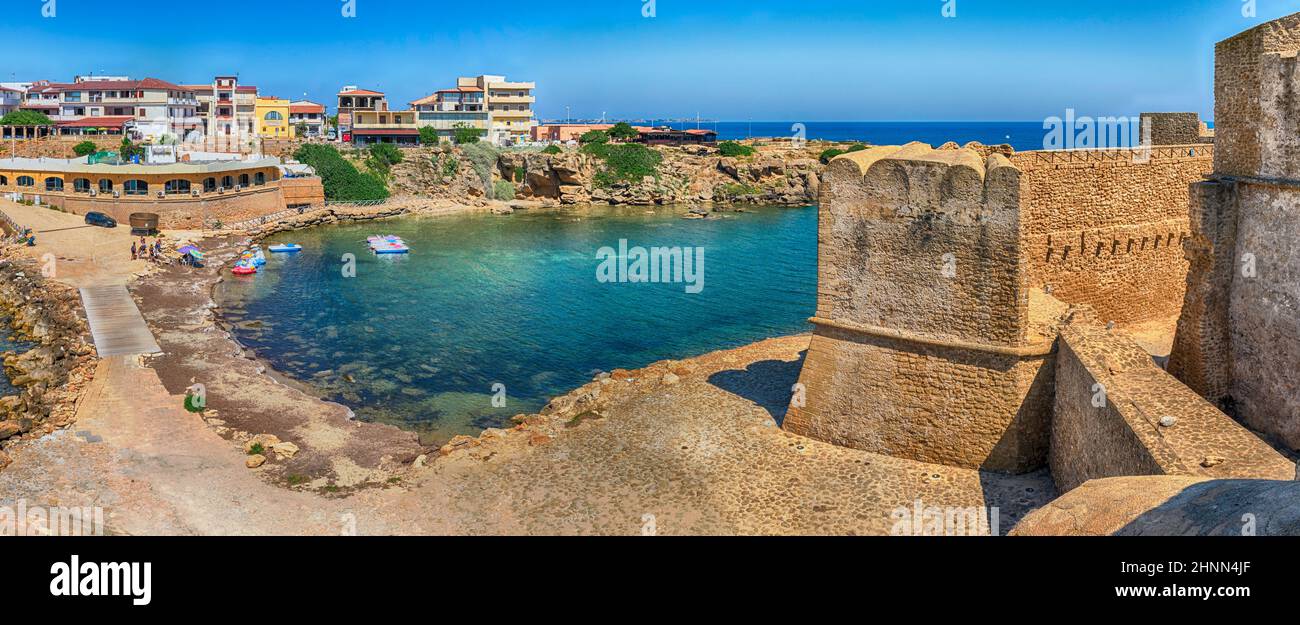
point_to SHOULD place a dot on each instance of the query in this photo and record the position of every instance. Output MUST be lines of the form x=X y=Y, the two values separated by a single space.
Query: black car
x=101 y=220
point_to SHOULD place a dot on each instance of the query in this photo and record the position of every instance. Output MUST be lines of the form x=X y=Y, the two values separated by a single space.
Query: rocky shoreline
x=52 y=374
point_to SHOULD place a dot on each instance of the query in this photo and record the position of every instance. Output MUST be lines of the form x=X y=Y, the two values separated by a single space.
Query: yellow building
x=273 y=119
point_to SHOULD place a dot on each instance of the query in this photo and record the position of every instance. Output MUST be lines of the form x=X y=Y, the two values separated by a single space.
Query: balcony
x=513 y=99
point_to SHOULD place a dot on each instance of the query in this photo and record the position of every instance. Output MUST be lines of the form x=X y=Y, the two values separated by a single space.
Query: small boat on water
x=285 y=248
x=243 y=269
x=389 y=244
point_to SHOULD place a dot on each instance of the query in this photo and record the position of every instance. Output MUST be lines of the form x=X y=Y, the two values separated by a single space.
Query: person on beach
x=134 y=254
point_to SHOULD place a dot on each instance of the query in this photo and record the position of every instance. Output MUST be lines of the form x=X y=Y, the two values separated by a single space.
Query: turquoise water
x=420 y=341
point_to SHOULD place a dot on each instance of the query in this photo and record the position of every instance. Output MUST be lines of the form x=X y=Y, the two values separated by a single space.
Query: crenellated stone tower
x=923 y=346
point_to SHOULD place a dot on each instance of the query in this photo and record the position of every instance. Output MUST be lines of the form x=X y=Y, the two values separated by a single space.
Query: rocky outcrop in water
x=51 y=374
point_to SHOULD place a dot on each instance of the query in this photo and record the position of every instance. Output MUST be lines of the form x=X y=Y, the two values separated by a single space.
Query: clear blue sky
x=788 y=60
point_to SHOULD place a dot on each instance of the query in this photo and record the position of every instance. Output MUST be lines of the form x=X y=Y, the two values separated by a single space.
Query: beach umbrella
x=196 y=254
x=188 y=249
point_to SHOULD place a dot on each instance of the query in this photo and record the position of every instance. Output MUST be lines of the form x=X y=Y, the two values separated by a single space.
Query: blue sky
x=800 y=60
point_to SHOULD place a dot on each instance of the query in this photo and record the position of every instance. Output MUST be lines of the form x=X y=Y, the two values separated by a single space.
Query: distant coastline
x=1021 y=135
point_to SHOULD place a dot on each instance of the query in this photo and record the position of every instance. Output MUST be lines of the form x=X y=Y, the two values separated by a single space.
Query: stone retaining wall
x=1117 y=413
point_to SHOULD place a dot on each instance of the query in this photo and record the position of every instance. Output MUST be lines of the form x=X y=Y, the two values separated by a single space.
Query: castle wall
x=921 y=347
x=1105 y=228
x=1110 y=399
x=1239 y=337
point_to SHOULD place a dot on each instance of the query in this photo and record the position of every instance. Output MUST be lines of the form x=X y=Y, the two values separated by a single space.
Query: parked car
x=101 y=220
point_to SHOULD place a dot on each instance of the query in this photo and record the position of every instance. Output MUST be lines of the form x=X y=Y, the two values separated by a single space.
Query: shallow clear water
x=419 y=341
x=9 y=344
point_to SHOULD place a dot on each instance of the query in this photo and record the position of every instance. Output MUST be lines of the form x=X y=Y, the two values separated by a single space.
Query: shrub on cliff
x=594 y=137
x=503 y=190
x=628 y=163
x=830 y=154
x=85 y=148
x=553 y=149
x=382 y=157
x=857 y=147
x=340 y=178
x=731 y=148
x=623 y=131
x=429 y=136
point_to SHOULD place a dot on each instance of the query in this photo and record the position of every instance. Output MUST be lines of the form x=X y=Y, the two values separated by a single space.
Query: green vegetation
x=594 y=137
x=624 y=162
x=256 y=450
x=483 y=158
x=295 y=479
x=340 y=178
x=731 y=148
x=623 y=131
x=735 y=190
x=830 y=154
x=25 y=118
x=520 y=174
x=381 y=158
x=428 y=136
x=856 y=147
x=193 y=404
x=85 y=148
x=464 y=135
x=553 y=149
x=450 y=167
x=503 y=190
x=128 y=149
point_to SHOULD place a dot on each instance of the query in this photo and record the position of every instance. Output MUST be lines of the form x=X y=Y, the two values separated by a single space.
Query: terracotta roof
x=40 y=105
x=360 y=92
x=116 y=121
x=126 y=85
x=306 y=108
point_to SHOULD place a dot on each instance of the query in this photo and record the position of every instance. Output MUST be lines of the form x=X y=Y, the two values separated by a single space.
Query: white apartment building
x=503 y=110
x=228 y=111
x=155 y=108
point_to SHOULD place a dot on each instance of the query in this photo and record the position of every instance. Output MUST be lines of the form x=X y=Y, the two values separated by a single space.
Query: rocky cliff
x=52 y=373
x=688 y=175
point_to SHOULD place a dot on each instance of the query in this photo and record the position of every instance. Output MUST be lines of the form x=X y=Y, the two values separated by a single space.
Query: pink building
x=564 y=133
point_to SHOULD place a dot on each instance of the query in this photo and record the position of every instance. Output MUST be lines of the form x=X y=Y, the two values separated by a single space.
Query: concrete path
x=116 y=323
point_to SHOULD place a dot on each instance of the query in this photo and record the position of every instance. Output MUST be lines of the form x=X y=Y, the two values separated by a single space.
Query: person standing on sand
x=133 y=252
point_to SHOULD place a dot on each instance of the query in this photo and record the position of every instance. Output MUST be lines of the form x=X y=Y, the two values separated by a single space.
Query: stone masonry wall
x=1239 y=337
x=1239 y=83
x=1106 y=228
x=1118 y=414
x=921 y=348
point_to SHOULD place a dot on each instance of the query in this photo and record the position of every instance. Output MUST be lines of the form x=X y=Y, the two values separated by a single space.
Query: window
x=227 y=182
x=135 y=187
x=274 y=116
x=243 y=180
x=105 y=185
x=4 y=182
x=26 y=181
x=209 y=185
x=53 y=184
x=259 y=179
x=81 y=185
x=177 y=187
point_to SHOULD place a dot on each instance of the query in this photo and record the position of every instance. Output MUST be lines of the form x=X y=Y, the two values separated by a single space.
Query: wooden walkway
x=115 y=322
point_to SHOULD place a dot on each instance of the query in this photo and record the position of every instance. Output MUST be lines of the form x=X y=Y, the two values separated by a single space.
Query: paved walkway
x=116 y=323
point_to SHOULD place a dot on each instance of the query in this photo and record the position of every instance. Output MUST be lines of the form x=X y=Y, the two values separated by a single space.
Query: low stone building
x=188 y=194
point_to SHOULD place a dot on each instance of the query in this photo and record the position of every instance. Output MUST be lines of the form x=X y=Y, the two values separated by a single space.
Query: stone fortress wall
x=945 y=276
x=982 y=310
x=1105 y=228
x=923 y=346
x=1238 y=340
